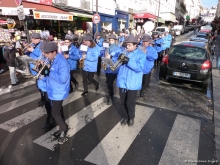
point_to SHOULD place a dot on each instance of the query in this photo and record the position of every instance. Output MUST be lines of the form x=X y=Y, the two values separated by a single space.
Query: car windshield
x=201 y=36
x=188 y=52
x=160 y=29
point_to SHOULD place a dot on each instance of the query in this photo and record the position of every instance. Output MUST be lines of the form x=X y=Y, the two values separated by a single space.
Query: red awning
x=3 y=22
x=145 y=15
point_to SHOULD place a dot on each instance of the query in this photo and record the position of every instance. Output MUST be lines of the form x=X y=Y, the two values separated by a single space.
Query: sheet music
x=84 y=48
x=105 y=44
x=64 y=48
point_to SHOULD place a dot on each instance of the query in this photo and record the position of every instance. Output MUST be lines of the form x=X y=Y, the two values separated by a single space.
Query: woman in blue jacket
x=113 y=53
x=129 y=80
x=158 y=45
x=58 y=85
x=90 y=58
x=151 y=55
x=99 y=43
x=72 y=55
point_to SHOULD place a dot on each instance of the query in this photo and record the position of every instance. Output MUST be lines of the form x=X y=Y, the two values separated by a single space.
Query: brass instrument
x=104 y=64
x=122 y=57
x=37 y=63
x=46 y=63
x=81 y=63
x=26 y=47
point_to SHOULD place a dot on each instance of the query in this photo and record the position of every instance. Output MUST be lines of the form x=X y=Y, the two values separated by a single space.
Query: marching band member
x=151 y=55
x=121 y=38
x=72 y=55
x=90 y=64
x=129 y=79
x=158 y=45
x=113 y=53
x=99 y=44
x=168 y=41
x=58 y=85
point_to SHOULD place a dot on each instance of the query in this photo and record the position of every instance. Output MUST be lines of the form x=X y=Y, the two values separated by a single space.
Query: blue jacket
x=130 y=74
x=41 y=84
x=100 y=46
x=58 y=81
x=73 y=57
x=91 y=60
x=114 y=51
x=120 y=40
x=169 y=40
x=151 y=55
x=158 y=44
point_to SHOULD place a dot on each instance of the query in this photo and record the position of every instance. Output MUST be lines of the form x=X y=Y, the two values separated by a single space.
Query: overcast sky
x=209 y=3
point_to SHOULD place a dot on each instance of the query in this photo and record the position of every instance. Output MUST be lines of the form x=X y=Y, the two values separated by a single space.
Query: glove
x=125 y=60
x=45 y=71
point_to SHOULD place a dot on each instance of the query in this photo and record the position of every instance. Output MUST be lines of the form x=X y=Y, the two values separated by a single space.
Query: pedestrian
x=158 y=45
x=90 y=58
x=129 y=79
x=10 y=55
x=58 y=85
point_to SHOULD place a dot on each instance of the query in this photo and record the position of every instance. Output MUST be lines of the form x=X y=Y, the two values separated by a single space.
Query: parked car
x=187 y=60
x=180 y=27
x=177 y=31
x=205 y=31
x=190 y=27
x=162 y=29
x=186 y=29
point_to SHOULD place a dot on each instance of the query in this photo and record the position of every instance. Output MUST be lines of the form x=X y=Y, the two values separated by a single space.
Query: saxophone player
x=72 y=55
x=129 y=80
x=90 y=64
x=151 y=55
x=57 y=77
x=113 y=52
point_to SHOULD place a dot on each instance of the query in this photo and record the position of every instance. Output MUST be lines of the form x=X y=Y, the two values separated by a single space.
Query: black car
x=187 y=60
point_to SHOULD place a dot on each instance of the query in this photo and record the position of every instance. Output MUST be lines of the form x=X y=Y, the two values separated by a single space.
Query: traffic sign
x=18 y=2
x=96 y=18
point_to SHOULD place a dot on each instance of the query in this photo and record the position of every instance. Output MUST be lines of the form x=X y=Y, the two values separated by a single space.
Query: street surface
x=173 y=125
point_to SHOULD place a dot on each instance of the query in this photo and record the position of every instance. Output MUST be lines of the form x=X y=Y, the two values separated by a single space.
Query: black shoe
x=71 y=91
x=76 y=85
x=97 y=87
x=108 y=100
x=62 y=136
x=46 y=126
x=124 y=122
x=17 y=83
x=84 y=93
x=130 y=122
x=41 y=103
x=56 y=134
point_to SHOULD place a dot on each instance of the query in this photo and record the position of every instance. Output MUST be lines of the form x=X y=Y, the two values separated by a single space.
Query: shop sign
x=45 y=2
x=52 y=16
x=13 y=11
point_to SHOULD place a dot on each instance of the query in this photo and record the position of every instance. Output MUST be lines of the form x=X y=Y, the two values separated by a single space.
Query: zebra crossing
x=95 y=135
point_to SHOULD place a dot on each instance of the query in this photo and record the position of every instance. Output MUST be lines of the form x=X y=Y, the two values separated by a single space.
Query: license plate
x=179 y=74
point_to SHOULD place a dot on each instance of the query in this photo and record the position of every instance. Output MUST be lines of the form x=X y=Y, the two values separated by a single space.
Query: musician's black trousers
x=72 y=79
x=145 y=81
x=128 y=98
x=110 y=81
x=54 y=109
x=90 y=76
x=99 y=65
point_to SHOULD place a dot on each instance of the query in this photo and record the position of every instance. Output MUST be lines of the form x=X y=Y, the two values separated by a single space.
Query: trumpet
x=26 y=47
x=81 y=63
x=45 y=64
x=122 y=57
x=37 y=63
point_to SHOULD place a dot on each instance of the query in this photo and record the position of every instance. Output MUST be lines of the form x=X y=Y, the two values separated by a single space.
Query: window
x=202 y=36
x=188 y=52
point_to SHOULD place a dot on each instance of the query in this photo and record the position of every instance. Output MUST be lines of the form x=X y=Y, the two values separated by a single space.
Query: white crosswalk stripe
x=30 y=116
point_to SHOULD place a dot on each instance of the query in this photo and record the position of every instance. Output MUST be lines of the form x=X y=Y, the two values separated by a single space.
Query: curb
x=19 y=90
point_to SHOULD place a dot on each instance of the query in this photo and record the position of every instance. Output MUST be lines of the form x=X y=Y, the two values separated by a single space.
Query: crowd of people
x=127 y=58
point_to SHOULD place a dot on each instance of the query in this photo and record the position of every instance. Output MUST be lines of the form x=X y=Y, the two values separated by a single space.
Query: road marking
x=116 y=143
x=183 y=141
x=30 y=116
x=19 y=102
x=75 y=123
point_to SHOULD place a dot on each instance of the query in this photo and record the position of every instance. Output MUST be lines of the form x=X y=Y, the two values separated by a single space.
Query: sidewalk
x=216 y=98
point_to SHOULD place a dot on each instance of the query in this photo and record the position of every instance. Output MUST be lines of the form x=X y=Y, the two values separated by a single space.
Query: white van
x=162 y=29
x=180 y=27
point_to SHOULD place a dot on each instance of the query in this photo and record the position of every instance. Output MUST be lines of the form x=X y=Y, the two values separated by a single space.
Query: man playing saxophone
x=113 y=53
x=129 y=80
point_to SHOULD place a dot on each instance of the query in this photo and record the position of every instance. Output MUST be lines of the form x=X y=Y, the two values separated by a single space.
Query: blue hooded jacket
x=91 y=60
x=158 y=44
x=58 y=81
x=73 y=57
x=130 y=74
x=151 y=55
x=100 y=46
x=120 y=40
x=169 y=40
x=114 y=51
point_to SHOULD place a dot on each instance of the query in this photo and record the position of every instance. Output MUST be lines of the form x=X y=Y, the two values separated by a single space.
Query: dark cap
x=88 y=38
x=155 y=33
x=112 y=36
x=49 y=47
x=36 y=35
x=131 y=39
x=146 y=38
x=42 y=46
x=97 y=34
x=68 y=38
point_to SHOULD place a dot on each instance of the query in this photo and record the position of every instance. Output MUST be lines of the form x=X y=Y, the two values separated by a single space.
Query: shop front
x=159 y=22
x=120 y=20
x=106 y=21
x=141 y=18
x=169 y=18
